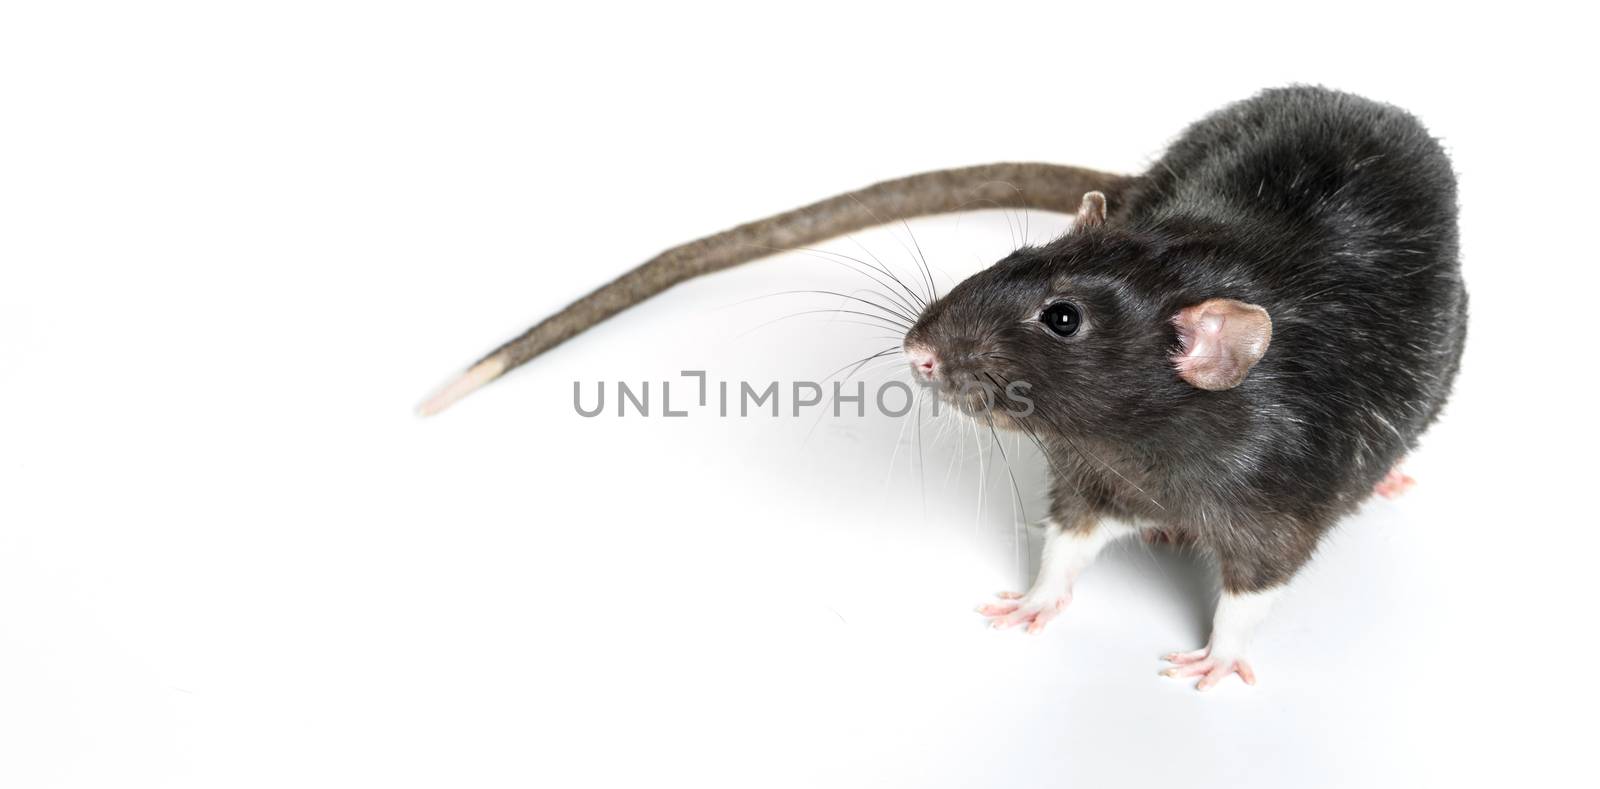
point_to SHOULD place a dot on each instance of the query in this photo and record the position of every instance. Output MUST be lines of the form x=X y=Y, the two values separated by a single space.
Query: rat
x=1234 y=349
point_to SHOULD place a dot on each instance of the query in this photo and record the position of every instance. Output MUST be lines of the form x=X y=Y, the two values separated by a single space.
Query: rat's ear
x=1221 y=339
x=1092 y=211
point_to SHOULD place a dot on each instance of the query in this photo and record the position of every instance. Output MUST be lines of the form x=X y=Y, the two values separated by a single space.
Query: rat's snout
x=924 y=362
x=948 y=366
x=956 y=371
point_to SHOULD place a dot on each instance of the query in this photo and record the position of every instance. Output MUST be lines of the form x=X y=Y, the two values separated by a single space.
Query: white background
x=240 y=243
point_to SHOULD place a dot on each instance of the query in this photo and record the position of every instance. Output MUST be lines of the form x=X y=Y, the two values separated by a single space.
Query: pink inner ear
x=1198 y=333
x=1222 y=339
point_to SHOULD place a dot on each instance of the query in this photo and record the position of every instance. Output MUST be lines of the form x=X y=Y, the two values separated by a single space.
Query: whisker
x=904 y=420
x=1081 y=451
x=884 y=267
x=830 y=256
x=1049 y=457
x=933 y=289
x=983 y=473
x=857 y=364
x=783 y=318
x=1016 y=491
x=888 y=312
x=881 y=322
x=1027 y=227
x=922 y=462
x=880 y=221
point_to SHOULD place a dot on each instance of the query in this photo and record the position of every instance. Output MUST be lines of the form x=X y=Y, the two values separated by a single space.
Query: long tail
x=1046 y=187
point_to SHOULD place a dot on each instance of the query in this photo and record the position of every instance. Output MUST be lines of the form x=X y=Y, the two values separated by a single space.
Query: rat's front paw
x=1035 y=611
x=1215 y=668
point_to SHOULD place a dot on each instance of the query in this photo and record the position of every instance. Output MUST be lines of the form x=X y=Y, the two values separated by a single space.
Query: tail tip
x=468 y=382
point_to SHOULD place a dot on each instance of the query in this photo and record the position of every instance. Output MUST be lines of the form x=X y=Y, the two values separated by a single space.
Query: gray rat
x=1234 y=349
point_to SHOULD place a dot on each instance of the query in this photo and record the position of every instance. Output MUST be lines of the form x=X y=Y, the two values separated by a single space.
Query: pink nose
x=923 y=362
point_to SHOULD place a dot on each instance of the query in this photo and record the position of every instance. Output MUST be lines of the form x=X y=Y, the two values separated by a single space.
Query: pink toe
x=1219 y=672
x=1041 y=619
x=1182 y=658
x=1180 y=672
x=1009 y=595
x=1003 y=622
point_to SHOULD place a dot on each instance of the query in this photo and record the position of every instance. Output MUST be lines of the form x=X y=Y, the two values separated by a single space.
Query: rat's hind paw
x=1395 y=484
x=1035 y=612
x=1213 y=668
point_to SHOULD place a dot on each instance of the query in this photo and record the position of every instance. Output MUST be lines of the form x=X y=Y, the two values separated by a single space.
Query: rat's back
x=1338 y=215
x=1307 y=153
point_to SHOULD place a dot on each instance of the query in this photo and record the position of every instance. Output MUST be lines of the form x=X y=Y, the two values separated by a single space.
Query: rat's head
x=1089 y=335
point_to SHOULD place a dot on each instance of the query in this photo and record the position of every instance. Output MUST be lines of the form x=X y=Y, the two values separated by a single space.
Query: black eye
x=1063 y=318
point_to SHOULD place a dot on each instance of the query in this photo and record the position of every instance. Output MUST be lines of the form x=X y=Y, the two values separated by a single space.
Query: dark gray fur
x=1334 y=213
